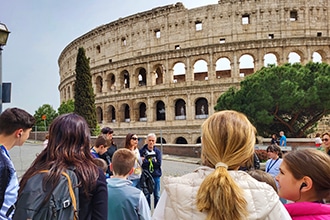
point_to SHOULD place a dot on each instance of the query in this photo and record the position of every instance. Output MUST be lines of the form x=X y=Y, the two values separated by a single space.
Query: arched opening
x=246 y=65
x=159 y=74
x=201 y=108
x=160 y=140
x=99 y=115
x=143 y=112
x=111 y=114
x=111 y=79
x=294 y=58
x=180 y=109
x=160 y=111
x=200 y=70
x=181 y=140
x=99 y=84
x=179 y=73
x=270 y=59
x=142 y=77
x=223 y=68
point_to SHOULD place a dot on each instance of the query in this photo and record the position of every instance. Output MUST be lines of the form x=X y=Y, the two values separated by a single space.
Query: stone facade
x=163 y=70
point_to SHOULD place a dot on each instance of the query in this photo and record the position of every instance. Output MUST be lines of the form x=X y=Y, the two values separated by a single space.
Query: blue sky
x=41 y=29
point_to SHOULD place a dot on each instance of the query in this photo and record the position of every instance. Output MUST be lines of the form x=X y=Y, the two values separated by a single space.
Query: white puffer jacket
x=178 y=200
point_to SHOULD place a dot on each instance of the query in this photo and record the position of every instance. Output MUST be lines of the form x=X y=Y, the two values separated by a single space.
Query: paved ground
x=23 y=156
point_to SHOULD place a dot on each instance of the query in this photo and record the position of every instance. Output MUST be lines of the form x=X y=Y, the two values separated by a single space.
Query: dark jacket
x=155 y=167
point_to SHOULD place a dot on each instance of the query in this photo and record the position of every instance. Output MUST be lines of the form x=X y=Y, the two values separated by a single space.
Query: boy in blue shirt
x=124 y=200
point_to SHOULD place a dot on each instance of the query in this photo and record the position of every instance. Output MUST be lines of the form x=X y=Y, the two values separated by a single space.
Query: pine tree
x=84 y=98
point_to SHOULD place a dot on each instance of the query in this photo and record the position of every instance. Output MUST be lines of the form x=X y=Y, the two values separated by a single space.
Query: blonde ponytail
x=220 y=197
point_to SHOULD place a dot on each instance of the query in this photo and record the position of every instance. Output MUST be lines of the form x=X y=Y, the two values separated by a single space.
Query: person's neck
x=7 y=141
x=120 y=176
x=275 y=158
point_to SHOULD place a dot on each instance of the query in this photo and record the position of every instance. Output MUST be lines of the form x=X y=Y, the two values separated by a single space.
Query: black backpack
x=147 y=183
x=62 y=204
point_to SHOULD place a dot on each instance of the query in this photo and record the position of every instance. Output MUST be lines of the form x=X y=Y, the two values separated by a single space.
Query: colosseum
x=163 y=70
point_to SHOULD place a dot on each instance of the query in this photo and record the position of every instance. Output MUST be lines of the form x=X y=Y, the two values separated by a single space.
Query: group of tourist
x=216 y=190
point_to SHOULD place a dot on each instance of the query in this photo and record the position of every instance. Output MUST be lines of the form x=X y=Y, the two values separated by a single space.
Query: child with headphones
x=304 y=178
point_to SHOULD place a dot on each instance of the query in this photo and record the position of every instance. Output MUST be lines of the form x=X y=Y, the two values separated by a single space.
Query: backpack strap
x=71 y=192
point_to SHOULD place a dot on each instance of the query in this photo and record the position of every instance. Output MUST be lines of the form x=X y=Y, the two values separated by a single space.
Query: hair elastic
x=220 y=164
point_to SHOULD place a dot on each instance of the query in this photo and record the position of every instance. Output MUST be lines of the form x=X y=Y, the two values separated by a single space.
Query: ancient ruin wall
x=150 y=43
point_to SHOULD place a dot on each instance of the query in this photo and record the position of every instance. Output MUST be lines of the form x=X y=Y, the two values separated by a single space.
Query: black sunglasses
x=134 y=138
x=325 y=139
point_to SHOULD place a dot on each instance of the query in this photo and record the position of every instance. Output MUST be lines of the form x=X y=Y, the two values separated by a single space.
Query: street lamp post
x=3 y=40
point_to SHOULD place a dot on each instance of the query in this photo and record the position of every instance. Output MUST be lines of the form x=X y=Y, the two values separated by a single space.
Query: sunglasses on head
x=134 y=138
x=325 y=139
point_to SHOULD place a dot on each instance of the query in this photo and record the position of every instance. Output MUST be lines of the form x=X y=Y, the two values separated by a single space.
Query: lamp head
x=3 y=34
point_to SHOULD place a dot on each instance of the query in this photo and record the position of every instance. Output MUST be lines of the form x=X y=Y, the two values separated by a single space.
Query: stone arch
x=201 y=108
x=294 y=57
x=160 y=111
x=142 y=112
x=223 y=68
x=99 y=84
x=199 y=140
x=142 y=76
x=200 y=70
x=180 y=109
x=246 y=65
x=316 y=57
x=179 y=72
x=159 y=74
x=124 y=79
x=270 y=59
x=160 y=140
x=111 y=80
x=181 y=140
x=99 y=114
x=126 y=116
x=111 y=113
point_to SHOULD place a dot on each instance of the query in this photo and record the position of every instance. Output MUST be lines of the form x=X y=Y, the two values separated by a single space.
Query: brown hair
x=101 y=164
x=101 y=140
x=327 y=149
x=262 y=176
x=123 y=161
x=312 y=163
x=128 y=140
x=227 y=137
x=274 y=148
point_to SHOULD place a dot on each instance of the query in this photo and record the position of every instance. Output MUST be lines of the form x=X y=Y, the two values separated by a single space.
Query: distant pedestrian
x=318 y=140
x=124 y=200
x=45 y=141
x=15 y=127
x=131 y=143
x=219 y=190
x=107 y=132
x=326 y=142
x=274 y=140
x=282 y=139
x=100 y=147
x=152 y=162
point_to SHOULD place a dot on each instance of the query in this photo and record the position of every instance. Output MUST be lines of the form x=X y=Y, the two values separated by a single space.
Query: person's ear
x=131 y=171
x=307 y=184
x=111 y=167
x=19 y=132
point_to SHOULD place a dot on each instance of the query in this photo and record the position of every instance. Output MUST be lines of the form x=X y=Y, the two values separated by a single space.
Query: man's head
x=281 y=133
x=107 y=133
x=123 y=161
x=17 y=122
x=151 y=141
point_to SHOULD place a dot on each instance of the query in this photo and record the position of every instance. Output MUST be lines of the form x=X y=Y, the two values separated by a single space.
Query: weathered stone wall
x=132 y=59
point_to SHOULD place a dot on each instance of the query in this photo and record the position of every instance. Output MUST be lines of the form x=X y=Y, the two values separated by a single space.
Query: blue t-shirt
x=283 y=141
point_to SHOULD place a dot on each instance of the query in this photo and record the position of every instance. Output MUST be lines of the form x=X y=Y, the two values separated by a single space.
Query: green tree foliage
x=292 y=98
x=66 y=107
x=84 y=98
x=48 y=112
